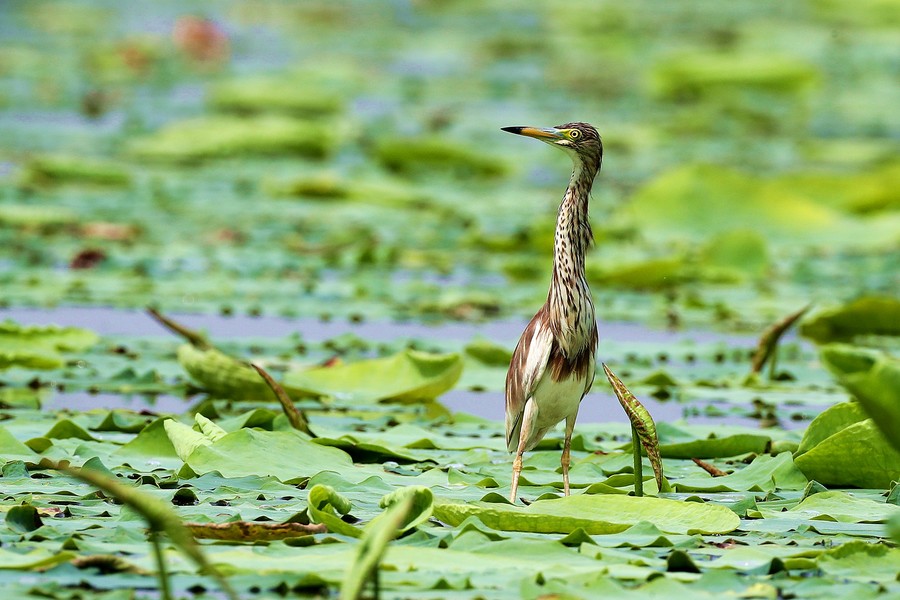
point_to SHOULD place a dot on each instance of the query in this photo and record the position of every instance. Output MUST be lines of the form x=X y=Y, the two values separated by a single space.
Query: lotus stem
x=638 y=463
x=164 y=591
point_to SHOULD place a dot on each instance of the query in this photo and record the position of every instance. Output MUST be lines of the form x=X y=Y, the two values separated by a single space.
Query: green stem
x=638 y=463
x=773 y=364
x=164 y=592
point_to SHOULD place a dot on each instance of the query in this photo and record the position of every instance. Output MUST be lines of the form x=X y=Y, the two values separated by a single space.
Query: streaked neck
x=570 y=303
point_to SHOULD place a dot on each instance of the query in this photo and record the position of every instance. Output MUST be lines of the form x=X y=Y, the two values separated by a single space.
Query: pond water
x=598 y=406
x=120 y=322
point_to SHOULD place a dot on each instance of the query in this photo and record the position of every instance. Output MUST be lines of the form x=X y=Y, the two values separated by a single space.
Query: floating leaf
x=223 y=375
x=717 y=447
x=766 y=473
x=184 y=439
x=262 y=94
x=705 y=74
x=422 y=154
x=406 y=377
x=596 y=514
x=861 y=561
x=203 y=138
x=287 y=455
x=159 y=516
x=39 y=347
x=844 y=508
x=23 y=518
x=695 y=201
x=418 y=511
x=60 y=169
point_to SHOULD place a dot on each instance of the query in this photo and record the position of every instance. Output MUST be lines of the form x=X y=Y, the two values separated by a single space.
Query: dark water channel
x=599 y=406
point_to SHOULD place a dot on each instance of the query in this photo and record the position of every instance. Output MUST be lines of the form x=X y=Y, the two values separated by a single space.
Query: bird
x=552 y=367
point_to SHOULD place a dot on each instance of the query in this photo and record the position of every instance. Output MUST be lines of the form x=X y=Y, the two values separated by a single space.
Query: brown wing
x=525 y=370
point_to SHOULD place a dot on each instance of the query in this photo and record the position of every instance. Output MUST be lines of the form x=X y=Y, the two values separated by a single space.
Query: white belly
x=555 y=401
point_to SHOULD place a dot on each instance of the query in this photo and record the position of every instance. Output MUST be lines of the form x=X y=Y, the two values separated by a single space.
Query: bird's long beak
x=548 y=134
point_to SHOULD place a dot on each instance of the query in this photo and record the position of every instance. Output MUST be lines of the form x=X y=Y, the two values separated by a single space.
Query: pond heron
x=552 y=367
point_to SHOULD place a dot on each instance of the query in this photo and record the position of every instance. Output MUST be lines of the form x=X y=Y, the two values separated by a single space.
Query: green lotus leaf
x=40 y=346
x=874 y=379
x=858 y=455
x=829 y=422
x=204 y=138
x=406 y=377
x=59 y=169
x=843 y=507
x=869 y=315
x=717 y=447
x=861 y=561
x=287 y=455
x=596 y=514
x=765 y=473
x=708 y=73
x=264 y=94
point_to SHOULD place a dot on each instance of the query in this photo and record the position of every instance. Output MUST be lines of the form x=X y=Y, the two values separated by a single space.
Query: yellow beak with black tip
x=548 y=134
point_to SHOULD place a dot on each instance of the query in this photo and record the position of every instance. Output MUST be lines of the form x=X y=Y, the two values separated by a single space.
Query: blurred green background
x=344 y=159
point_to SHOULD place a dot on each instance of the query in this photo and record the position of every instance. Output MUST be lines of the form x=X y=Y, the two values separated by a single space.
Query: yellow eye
x=574 y=134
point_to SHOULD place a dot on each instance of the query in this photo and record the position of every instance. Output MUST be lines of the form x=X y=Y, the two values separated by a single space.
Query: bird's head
x=579 y=140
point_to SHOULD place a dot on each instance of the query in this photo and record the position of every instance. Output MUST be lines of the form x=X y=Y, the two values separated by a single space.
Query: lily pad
x=415 y=155
x=281 y=94
x=765 y=473
x=39 y=347
x=708 y=73
x=844 y=508
x=205 y=138
x=595 y=514
x=697 y=200
x=287 y=455
x=410 y=376
x=61 y=169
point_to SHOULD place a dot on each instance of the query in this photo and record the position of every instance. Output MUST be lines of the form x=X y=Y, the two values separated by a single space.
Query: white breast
x=555 y=401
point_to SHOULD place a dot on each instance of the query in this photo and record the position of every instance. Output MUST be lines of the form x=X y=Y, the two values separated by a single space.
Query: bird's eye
x=574 y=134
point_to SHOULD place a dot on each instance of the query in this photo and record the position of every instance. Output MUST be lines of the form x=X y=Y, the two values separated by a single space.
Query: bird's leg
x=564 y=460
x=528 y=418
x=517 y=469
